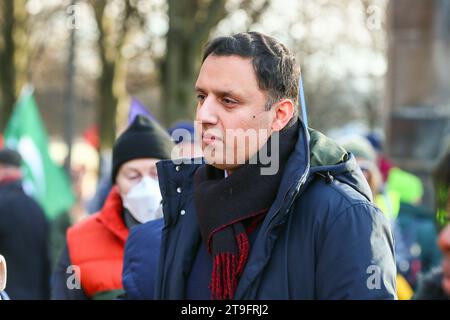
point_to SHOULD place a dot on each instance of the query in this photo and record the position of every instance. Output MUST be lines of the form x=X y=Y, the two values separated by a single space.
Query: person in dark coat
x=287 y=215
x=23 y=234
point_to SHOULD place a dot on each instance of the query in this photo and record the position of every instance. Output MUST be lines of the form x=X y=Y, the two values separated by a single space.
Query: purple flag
x=137 y=108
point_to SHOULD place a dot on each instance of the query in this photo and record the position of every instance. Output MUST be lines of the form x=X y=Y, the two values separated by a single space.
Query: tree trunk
x=21 y=54
x=107 y=104
x=178 y=79
x=7 y=74
x=112 y=82
x=190 y=24
x=13 y=56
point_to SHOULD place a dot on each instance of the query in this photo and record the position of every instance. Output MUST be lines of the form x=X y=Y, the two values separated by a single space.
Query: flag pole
x=70 y=94
x=301 y=95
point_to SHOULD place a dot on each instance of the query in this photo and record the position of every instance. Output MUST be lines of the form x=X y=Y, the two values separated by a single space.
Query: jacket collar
x=295 y=174
x=111 y=215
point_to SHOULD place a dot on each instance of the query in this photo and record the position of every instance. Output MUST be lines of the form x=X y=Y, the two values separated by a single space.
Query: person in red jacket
x=91 y=265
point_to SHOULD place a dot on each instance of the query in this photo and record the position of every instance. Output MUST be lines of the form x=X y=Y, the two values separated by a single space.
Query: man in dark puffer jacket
x=231 y=230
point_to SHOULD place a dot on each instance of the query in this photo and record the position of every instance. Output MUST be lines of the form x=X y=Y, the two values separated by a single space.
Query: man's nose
x=207 y=112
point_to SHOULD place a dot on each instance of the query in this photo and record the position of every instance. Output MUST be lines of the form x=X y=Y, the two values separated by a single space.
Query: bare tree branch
x=254 y=14
x=215 y=12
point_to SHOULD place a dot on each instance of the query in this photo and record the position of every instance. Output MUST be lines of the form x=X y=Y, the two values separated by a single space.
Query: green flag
x=43 y=179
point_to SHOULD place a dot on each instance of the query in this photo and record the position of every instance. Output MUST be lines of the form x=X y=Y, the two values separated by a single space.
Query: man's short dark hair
x=275 y=67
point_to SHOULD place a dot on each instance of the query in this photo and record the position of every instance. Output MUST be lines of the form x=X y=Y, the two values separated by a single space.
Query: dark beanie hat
x=144 y=138
x=10 y=157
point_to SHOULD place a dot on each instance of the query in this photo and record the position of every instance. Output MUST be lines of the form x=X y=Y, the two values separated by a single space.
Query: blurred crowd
x=35 y=248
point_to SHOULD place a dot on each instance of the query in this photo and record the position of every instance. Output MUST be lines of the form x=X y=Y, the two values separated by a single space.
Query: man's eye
x=200 y=97
x=228 y=101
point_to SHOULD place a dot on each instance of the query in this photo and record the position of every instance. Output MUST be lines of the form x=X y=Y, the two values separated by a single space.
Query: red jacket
x=96 y=245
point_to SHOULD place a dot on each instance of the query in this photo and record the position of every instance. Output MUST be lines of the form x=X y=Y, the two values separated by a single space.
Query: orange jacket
x=96 y=245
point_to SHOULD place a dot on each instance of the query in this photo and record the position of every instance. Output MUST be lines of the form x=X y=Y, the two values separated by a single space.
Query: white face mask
x=144 y=200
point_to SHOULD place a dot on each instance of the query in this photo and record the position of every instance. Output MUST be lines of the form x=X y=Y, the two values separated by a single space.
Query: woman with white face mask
x=91 y=265
x=138 y=186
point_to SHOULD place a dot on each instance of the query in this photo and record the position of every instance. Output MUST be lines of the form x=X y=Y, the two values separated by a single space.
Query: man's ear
x=284 y=111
